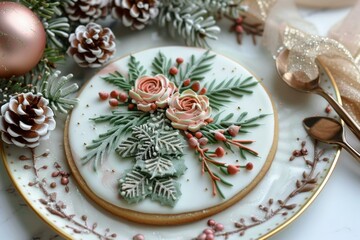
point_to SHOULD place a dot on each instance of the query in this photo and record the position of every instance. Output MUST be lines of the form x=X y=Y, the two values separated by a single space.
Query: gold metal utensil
x=328 y=130
x=300 y=81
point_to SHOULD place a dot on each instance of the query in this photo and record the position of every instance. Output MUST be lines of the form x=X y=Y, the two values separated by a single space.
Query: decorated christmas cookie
x=171 y=135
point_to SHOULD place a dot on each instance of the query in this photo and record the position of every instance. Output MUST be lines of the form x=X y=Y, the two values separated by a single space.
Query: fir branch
x=196 y=68
x=109 y=140
x=219 y=8
x=135 y=70
x=118 y=80
x=161 y=65
x=57 y=90
x=56 y=29
x=219 y=94
x=188 y=20
x=43 y=8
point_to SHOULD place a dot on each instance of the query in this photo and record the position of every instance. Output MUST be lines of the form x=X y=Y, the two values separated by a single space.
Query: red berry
x=220 y=152
x=186 y=82
x=219 y=136
x=203 y=91
x=233 y=130
x=131 y=106
x=139 y=237
x=153 y=106
x=114 y=93
x=103 y=95
x=179 y=60
x=193 y=142
x=249 y=166
x=232 y=169
x=202 y=236
x=219 y=227
x=189 y=135
x=203 y=141
x=239 y=20
x=239 y=29
x=195 y=86
x=173 y=71
x=208 y=231
x=198 y=135
x=64 y=180
x=55 y=174
x=209 y=120
x=113 y=102
x=123 y=97
x=211 y=222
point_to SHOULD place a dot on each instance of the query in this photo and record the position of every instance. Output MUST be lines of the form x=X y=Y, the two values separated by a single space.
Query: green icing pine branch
x=107 y=142
x=218 y=94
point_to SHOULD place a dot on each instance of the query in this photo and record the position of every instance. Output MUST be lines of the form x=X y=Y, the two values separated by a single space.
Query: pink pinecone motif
x=91 y=45
x=26 y=119
x=135 y=13
x=85 y=11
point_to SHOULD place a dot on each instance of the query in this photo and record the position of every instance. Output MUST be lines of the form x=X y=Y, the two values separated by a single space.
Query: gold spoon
x=328 y=130
x=300 y=81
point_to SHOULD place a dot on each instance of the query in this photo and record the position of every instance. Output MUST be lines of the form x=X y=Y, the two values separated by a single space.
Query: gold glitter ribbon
x=285 y=27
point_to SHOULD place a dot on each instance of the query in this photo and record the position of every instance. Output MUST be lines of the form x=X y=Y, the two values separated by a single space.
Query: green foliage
x=218 y=94
x=157 y=150
x=196 y=68
x=118 y=80
x=135 y=70
x=121 y=123
x=161 y=65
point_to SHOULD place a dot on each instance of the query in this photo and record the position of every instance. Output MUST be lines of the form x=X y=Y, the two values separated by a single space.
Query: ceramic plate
x=289 y=186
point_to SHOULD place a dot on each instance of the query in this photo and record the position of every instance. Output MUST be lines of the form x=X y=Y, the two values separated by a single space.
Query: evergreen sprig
x=189 y=20
x=118 y=80
x=135 y=70
x=219 y=8
x=196 y=68
x=161 y=65
x=107 y=142
x=218 y=94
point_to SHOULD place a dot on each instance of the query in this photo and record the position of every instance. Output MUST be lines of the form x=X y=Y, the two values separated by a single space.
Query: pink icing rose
x=188 y=110
x=151 y=93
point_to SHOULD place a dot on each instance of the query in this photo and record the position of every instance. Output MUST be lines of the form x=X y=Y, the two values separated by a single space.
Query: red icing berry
x=186 y=82
x=153 y=106
x=203 y=141
x=103 y=95
x=232 y=169
x=219 y=136
x=114 y=93
x=220 y=152
x=233 y=130
x=198 y=135
x=139 y=237
x=131 y=106
x=193 y=142
x=201 y=237
x=189 y=135
x=123 y=97
x=203 y=91
x=113 y=102
x=195 y=86
x=209 y=120
x=179 y=60
x=249 y=166
x=173 y=71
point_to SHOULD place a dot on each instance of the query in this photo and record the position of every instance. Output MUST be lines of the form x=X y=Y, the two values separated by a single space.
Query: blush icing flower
x=188 y=110
x=151 y=93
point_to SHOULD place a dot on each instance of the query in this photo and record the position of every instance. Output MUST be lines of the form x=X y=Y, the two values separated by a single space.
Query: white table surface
x=333 y=215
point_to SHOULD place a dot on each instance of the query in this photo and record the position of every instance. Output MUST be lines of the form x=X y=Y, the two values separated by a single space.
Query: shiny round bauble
x=22 y=39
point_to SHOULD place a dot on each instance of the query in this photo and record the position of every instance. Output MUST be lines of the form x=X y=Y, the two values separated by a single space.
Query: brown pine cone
x=85 y=11
x=135 y=13
x=26 y=119
x=91 y=45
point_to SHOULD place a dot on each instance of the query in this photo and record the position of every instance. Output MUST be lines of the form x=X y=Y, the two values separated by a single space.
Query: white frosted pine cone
x=26 y=119
x=135 y=13
x=85 y=11
x=91 y=45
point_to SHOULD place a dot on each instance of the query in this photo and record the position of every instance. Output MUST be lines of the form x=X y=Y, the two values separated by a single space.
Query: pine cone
x=135 y=13
x=85 y=11
x=26 y=119
x=91 y=45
